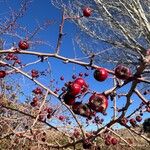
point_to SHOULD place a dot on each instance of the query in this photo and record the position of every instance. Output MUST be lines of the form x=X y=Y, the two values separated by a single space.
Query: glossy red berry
x=122 y=72
x=76 y=133
x=49 y=110
x=138 y=118
x=2 y=73
x=37 y=91
x=87 y=11
x=81 y=82
x=62 y=118
x=98 y=102
x=69 y=99
x=74 y=89
x=133 y=122
x=23 y=45
x=34 y=73
x=114 y=141
x=100 y=74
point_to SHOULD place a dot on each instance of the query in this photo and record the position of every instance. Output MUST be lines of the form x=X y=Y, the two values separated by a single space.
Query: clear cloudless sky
x=37 y=12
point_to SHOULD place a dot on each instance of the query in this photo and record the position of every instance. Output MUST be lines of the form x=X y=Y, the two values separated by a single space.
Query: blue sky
x=38 y=12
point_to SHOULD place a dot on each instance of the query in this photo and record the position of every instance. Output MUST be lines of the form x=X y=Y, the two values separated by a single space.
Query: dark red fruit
x=138 y=118
x=133 y=122
x=87 y=11
x=37 y=91
x=76 y=133
x=124 y=121
x=108 y=142
x=122 y=72
x=2 y=73
x=114 y=141
x=34 y=73
x=10 y=55
x=69 y=99
x=81 y=82
x=100 y=74
x=42 y=117
x=74 y=89
x=35 y=99
x=61 y=118
x=98 y=102
x=49 y=110
x=23 y=45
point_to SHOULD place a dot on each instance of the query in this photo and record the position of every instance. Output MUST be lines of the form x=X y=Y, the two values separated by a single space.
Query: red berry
x=80 y=82
x=122 y=72
x=34 y=73
x=114 y=141
x=76 y=133
x=100 y=74
x=37 y=91
x=98 y=102
x=133 y=122
x=69 y=99
x=87 y=11
x=108 y=142
x=61 y=118
x=138 y=118
x=74 y=89
x=2 y=73
x=124 y=121
x=10 y=55
x=35 y=99
x=23 y=45
x=49 y=110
